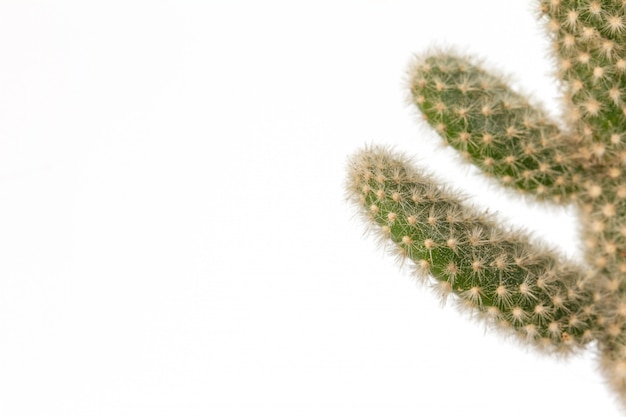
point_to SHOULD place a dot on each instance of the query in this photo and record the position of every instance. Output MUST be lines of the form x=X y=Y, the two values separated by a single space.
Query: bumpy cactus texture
x=515 y=283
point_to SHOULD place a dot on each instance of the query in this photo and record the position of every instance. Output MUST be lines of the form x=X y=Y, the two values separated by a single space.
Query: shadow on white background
x=174 y=239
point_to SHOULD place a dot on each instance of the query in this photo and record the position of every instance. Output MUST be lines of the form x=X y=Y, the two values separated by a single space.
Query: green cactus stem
x=493 y=127
x=530 y=290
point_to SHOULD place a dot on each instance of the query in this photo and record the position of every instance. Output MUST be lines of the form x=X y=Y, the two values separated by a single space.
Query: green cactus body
x=510 y=282
x=503 y=276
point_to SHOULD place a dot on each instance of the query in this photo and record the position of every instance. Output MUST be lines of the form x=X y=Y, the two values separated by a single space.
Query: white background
x=174 y=236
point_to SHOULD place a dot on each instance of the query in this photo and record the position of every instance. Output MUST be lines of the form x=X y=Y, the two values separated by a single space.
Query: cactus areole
x=513 y=282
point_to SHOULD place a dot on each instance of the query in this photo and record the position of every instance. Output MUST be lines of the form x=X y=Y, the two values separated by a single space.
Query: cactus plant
x=507 y=277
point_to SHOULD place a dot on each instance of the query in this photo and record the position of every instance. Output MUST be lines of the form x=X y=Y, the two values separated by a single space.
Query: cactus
x=506 y=277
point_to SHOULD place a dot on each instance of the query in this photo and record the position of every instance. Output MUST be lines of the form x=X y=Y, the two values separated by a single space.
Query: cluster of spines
x=497 y=274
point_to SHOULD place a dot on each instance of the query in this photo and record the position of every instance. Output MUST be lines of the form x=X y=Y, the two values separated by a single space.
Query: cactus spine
x=502 y=275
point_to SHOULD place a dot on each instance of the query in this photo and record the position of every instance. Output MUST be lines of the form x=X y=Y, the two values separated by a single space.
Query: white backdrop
x=174 y=237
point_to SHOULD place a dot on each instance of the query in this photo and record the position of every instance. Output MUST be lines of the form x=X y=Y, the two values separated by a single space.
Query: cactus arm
x=589 y=38
x=492 y=126
x=499 y=274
